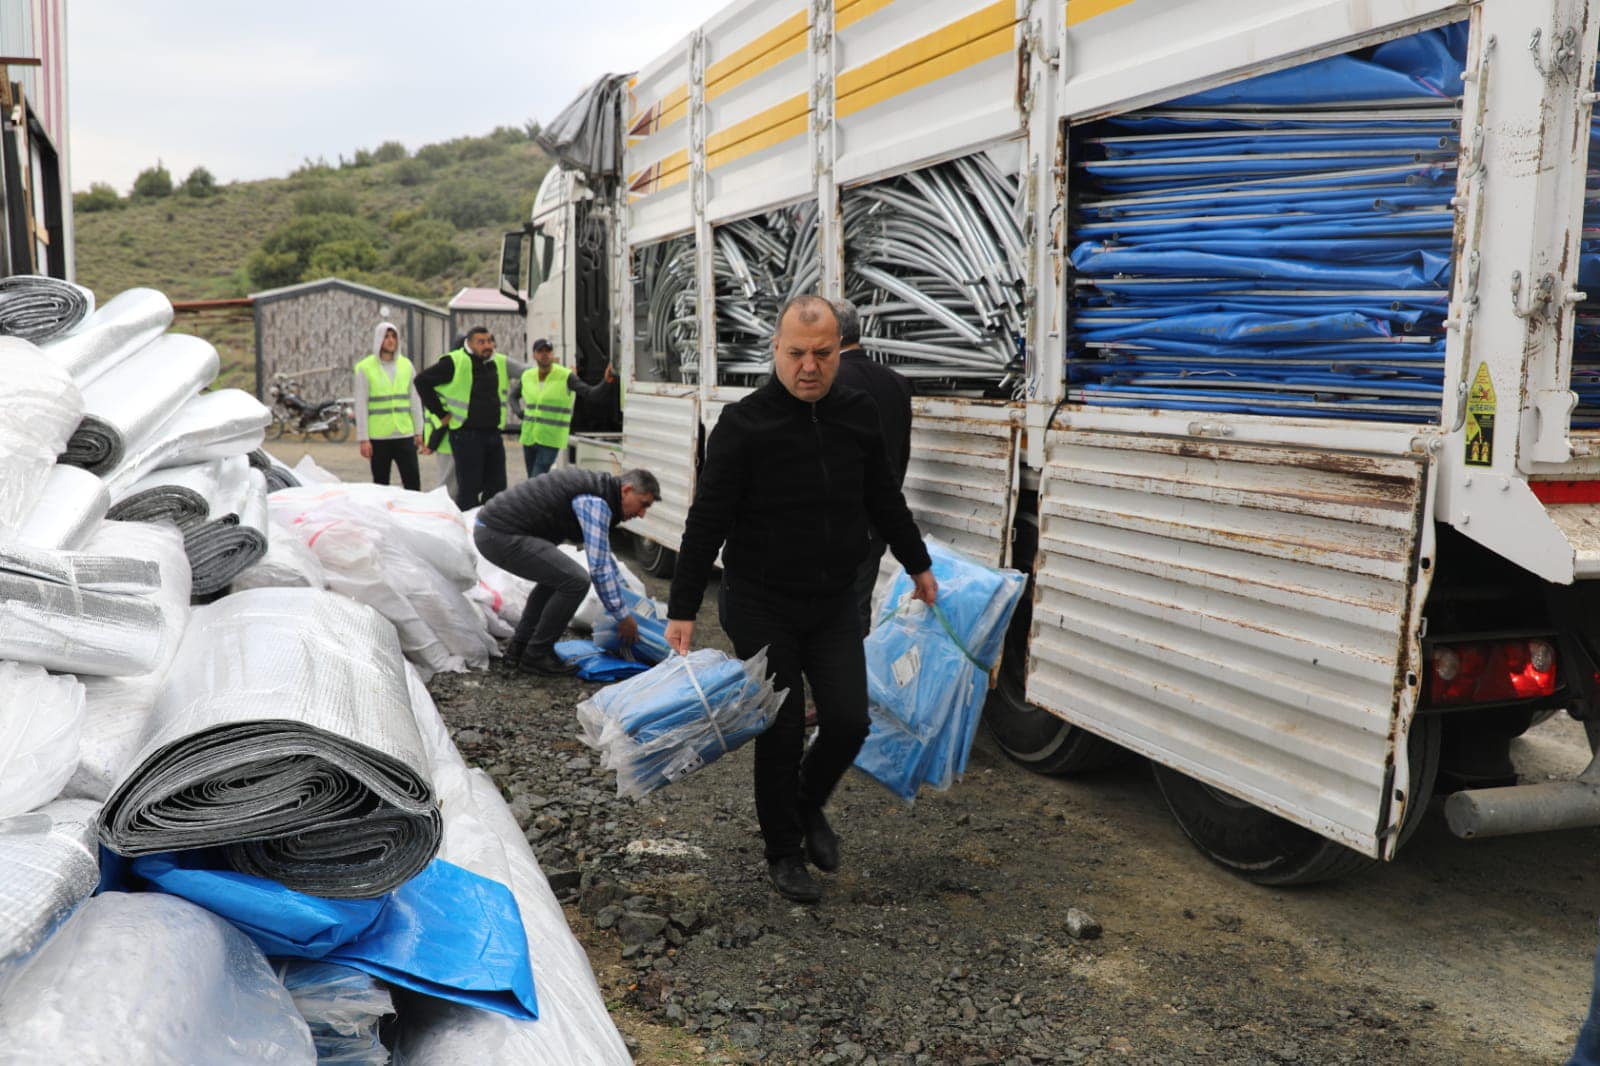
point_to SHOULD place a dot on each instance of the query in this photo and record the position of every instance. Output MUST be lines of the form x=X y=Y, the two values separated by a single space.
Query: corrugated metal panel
x=959 y=483
x=1236 y=611
x=659 y=434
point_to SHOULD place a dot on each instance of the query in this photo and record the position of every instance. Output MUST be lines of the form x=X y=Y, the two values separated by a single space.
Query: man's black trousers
x=480 y=465
x=402 y=453
x=560 y=585
x=816 y=640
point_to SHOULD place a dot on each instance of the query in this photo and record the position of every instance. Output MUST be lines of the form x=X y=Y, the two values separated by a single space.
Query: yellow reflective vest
x=388 y=401
x=546 y=407
x=456 y=394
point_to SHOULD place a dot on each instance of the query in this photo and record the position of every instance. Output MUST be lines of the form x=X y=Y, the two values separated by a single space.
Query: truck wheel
x=1262 y=847
x=657 y=559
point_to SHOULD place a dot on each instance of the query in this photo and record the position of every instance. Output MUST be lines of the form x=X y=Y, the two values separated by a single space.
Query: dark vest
x=542 y=506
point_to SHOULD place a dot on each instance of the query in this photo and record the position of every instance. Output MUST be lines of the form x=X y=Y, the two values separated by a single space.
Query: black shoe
x=513 y=656
x=546 y=664
x=791 y=878
x=822 y=843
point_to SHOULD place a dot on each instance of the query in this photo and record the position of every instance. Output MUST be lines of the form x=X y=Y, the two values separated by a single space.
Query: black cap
x=542 y=345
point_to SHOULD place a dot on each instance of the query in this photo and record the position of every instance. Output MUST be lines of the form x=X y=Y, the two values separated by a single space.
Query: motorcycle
x=291 y=413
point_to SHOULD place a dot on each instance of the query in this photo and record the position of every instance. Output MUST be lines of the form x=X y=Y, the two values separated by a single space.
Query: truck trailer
x=1265 y=336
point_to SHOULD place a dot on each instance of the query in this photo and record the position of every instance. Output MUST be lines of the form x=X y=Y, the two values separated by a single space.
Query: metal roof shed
x=316 y=331
x=489 y=307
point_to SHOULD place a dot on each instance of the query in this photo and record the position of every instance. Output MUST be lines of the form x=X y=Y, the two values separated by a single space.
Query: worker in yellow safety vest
x=467 y=392
x=388 y=413
x=546 y=396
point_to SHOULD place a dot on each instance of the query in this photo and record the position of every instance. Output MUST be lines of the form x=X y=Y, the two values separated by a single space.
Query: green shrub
x=153 y=183
x=323 y=201
x=285 y=256
x=427 y=250
x=469 y=204
x=126 y=239
x=341 y=257
x=100 y=197
x=436 y=155
x=401 y=286
x=412 y=172
x=389 y=152
x=470 y=148
x=200 y=183
x=406 y=217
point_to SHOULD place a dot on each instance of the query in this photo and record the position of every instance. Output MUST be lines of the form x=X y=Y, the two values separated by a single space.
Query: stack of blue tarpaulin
x=928 y=672
x=1277 y=246
x=598 y=664
x=673 y=719
x=651 y=616
x=1586 y=338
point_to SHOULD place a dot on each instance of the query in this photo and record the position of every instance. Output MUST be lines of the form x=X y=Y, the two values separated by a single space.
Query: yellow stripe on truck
x=1084 y=10
x=784 y=41
x=758 y=132
x=850 y=12
x=670 y=171
x=663 y=113
x=964 y=43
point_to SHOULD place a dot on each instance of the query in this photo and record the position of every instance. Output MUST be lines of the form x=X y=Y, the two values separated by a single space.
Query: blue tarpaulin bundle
x=678 y=716
x=1277 y=246
x=651 y=617
x=928 y=672
x=447 y=932
x=596 y=663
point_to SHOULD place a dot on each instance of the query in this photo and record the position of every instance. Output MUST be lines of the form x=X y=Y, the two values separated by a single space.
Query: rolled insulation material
x=70 y=507
x=37 y=308
x=131 y=402
x=115 y=331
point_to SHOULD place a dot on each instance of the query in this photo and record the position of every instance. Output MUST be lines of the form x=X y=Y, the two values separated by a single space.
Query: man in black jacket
x=891 y=393
x=794 y=475
x=520 y=530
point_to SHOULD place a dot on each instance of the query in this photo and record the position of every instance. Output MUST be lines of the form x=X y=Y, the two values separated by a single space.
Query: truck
x=1256 y=333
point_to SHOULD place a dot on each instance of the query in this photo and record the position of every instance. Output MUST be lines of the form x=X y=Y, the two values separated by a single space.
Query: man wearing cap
x=388 y=412
x=544 y=403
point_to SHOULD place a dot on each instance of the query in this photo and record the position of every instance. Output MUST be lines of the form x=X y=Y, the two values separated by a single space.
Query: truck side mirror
x=511 y=269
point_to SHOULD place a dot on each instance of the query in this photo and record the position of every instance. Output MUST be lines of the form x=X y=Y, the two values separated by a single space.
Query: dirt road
x=945 y=937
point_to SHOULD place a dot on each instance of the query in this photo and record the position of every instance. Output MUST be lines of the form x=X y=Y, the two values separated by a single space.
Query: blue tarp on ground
x=447 y=932
x=596 y=663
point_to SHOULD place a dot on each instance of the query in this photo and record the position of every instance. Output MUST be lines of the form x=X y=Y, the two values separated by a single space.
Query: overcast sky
x=248 y=90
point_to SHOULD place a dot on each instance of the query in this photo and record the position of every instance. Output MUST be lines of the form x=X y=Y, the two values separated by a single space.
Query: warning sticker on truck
x=1480 y=419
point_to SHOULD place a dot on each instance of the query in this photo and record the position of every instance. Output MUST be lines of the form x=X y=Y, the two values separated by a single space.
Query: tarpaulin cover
x=181 y=495
x=48 y=865
x=36 y=308
x=481 y=835
x=284 y=734
x=587 y=135
x=278 y=475
x=928 y=672
x=78 y=612
x=597 y=664
x=1233 y=248
x=235 y=538
x=677 y=717
x=117 y=708
x=43 y=407
x=650 y=616
x=41 y=719
x=128 y=404
x=288 y=563
x=151 y=979
x=68 y=510
x=447 y=931
x=131 y=320
x=214 y=425
x=342 y=1006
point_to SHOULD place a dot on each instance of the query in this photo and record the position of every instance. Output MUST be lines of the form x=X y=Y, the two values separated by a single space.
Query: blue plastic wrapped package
x=342 y=1006
x=676 y=717
x=651 y=616
x=596 y=663
x=928 y=671
x=447 y=932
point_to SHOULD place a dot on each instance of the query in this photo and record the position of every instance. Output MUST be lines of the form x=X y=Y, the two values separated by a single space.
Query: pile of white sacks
x=110 y=419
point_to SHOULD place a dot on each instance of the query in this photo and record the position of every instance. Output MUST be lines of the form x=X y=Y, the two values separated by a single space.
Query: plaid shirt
x=594 y=515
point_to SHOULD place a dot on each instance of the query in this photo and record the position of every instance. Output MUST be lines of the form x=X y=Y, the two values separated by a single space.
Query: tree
x=285 y=257
x=469 y=204
x=100 y=197
x=153 y=183
x=426 y=249
x=389 y=152
x=200 y=183
x=412 y=172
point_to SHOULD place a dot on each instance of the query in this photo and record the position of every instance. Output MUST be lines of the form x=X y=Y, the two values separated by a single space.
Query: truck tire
x=1262 y=847
x=657 y=559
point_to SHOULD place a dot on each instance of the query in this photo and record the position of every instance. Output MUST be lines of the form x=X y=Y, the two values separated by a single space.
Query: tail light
x=1491 y=671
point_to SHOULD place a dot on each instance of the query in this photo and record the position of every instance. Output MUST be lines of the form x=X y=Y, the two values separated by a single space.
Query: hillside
x=423 y=225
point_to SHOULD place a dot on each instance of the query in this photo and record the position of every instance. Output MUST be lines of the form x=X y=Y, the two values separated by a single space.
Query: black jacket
x=542 y=506
x=791 y=488
x=892 y=393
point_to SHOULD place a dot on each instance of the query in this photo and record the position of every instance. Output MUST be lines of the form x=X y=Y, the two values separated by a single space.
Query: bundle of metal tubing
x=759 y=263
x=1279 y=246
x=667 y=344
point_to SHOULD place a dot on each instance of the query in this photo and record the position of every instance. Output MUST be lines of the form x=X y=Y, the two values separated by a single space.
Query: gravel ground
x=1018 y=919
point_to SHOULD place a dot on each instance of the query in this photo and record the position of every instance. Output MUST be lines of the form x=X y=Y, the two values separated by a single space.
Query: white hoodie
x=388 y=367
